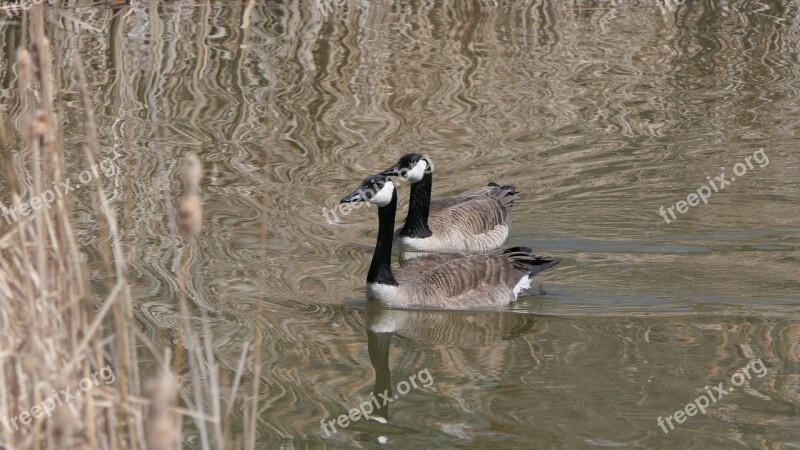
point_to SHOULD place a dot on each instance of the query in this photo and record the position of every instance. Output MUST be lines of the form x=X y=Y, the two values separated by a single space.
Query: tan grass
x=55 y=330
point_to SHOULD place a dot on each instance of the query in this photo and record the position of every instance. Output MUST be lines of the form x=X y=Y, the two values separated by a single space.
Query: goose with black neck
x=473 y=221
x=444 y=281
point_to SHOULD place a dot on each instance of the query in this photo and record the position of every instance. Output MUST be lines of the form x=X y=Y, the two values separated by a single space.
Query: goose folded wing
x=450 y=276
x=477 y=215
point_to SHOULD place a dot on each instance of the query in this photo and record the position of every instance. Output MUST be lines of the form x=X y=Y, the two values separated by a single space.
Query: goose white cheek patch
x=417 y=172
x=383 y=196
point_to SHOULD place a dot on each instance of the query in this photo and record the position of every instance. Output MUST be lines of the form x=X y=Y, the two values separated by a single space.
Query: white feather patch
x=417 y=172
x=456 y=240
x=384 y=293
x=384 y=196
x=409 y=255
x=523 y=283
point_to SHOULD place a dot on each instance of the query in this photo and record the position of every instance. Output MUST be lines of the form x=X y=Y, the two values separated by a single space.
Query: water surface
x=599 y=112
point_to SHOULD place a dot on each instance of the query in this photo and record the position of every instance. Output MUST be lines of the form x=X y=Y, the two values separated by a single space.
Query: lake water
x=600 y=113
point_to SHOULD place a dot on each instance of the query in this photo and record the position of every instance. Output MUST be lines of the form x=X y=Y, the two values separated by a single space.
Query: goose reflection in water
x=452 y=329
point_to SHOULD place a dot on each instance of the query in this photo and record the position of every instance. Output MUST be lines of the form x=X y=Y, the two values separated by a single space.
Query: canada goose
x=473 y=221
x=448 y=281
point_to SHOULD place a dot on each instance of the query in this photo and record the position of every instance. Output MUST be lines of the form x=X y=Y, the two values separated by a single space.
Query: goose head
x=375 y=189
x=412 y=167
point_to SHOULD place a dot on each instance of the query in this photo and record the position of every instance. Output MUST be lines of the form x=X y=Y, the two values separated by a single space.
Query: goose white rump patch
x=523 y=283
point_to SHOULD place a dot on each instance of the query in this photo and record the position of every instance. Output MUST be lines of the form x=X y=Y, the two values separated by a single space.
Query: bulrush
x=24 y=64
x=191 y=215
x=191 y=171
x=191 y=219
x=162 y=428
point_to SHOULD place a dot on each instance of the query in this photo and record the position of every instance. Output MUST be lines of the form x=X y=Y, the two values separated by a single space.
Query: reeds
x=51 y=337
x=56 y=330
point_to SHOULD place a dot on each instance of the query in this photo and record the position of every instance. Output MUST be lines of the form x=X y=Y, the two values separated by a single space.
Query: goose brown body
x=468 y=281
x=474 y=221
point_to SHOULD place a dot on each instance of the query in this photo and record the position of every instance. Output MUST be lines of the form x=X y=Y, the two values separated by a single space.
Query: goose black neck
x=419 y=205
x=380 y=270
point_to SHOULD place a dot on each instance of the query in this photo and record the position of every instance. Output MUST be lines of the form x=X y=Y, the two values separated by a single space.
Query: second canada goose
x=448 y=281
x=473 y=221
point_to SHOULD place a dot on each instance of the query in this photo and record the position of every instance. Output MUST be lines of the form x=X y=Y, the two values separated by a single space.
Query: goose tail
x=523 y=259
x=506 y=189
x=506 y=193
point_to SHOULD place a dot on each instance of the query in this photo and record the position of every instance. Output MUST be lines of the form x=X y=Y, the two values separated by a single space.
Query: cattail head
x=191 y=172
x=40 y=129
x=24 y=64
x=29 y=364
x=62 y=424
x=162 y=428
x=191 y=219
x=191 y=206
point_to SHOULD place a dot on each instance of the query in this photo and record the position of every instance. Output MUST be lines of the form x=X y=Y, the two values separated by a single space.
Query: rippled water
x=599 y=112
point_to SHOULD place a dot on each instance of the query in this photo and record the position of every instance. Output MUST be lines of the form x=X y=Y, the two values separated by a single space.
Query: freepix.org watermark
x=59 y=190
x=58 y=398
x=18 y=7
x=717 y=183
x=365 y=408
x=332 y=214
x=703 y=401
x=669 y=5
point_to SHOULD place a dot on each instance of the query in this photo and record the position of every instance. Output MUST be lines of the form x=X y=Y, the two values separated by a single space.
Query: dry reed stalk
x=250 y=425
x=122 y=309
x=202 y=363
x=41 y=266
x=50 y=314
x=190 y=223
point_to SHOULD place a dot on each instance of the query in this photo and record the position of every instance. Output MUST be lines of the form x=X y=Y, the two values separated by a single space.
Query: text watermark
x=717 y=183
x=21 y=6
x=703 y=401
x=60 y=398
x=365 y=408
x=49 y=196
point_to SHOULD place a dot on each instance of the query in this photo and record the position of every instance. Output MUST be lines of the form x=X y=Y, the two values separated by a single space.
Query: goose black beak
x=354 y=197
x=392 y=171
